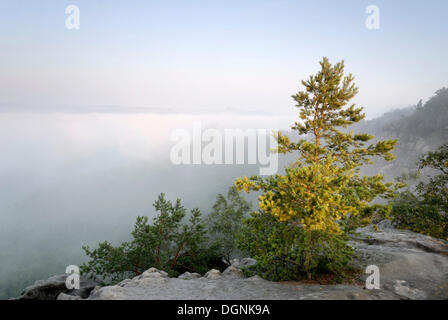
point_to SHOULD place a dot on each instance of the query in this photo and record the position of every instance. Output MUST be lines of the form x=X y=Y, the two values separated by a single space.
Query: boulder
x=213 y=274
x=188 y=276
x=51 y=288
x=411 y=265
x=234 y=272
x=153 y=273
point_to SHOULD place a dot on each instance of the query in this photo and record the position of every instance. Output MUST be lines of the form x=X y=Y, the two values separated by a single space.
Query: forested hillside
x=418 y=129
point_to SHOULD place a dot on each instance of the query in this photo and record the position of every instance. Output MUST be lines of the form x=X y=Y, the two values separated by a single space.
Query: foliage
x=226 y=222
x=283 y=250
x=322 y=196
x=427 y=210
x=427 y=121
x=435 y=191
x=166 y=244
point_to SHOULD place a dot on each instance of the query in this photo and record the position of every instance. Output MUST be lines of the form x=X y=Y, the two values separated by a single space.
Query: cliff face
x=411 y=266
x=418 y=130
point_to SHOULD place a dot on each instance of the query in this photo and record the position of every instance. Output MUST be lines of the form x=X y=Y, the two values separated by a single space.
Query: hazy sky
x=244 y=56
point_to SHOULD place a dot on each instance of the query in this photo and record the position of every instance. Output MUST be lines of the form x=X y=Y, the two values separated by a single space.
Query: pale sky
x=193 y=56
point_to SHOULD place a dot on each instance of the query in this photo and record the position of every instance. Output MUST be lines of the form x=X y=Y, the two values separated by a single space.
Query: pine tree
x=166 y=243
x=323 y=193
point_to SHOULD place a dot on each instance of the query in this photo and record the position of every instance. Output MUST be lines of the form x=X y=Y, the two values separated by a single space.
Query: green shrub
x=226 y=222
x=408 y=212
x=286 y=252
x=166 y=244
x=426 y=210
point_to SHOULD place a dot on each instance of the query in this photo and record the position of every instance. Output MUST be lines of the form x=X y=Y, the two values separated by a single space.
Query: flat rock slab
x=411 y=265
x=231 y=287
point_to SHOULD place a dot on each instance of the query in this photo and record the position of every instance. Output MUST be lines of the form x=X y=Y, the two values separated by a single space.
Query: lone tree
x=306 y=213
x=225 y=222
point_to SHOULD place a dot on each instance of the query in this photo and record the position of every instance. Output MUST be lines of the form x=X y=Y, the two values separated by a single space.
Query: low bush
x=166 y=244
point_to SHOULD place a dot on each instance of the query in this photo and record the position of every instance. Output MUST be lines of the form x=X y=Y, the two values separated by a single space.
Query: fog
x=74 y=179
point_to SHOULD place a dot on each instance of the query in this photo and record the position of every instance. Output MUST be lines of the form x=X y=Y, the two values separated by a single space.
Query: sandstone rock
x=234 y=272
x=213 y=274
x=412 y=266
x=95 y=290
x=152 y=275
x=51 y=288
x=109 y=293
x=64 y=296
x=153 y=272
x=233 y=288
x=188 y=276
x=402 y=289
x=122 y=283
